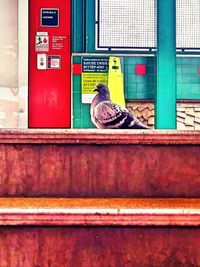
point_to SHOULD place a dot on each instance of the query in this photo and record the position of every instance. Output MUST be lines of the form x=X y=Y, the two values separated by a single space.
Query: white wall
x=13 y=63
x=23 y=63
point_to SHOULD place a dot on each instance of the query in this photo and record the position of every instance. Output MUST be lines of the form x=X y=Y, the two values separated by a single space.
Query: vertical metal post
x=78 y=26
x=166 y=65
x=90 y=26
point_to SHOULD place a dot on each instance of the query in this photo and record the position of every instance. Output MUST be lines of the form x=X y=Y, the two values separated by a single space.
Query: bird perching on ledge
x=107 y=115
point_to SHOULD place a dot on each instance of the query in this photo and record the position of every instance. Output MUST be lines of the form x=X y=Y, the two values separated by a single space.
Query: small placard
x=54 y=62
x=41 y=42
x=49 y=17
x=95 y=64
x=41 y=61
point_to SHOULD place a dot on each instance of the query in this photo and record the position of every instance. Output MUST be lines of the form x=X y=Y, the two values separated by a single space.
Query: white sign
x=54 y=62
x=41 y=43
x=42 y=33
x=41 y=61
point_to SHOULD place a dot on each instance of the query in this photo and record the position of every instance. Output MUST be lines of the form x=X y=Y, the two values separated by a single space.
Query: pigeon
x=107 y=115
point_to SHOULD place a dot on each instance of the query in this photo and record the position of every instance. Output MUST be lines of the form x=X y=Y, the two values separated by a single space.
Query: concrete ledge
x=100 y=212
x=89 y=136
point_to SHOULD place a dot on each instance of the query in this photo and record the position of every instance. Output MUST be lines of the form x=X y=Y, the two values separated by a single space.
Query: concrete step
x=94 y=163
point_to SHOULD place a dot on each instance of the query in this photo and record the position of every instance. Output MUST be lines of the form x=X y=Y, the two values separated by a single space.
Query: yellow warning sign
x=89 y=83
x=116 y=81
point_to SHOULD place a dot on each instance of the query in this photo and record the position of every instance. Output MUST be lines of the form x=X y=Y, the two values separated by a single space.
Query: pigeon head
x=102 y=89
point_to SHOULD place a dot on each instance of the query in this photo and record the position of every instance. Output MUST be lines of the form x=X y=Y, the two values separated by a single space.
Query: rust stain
x=66 y=170
x=99 y=246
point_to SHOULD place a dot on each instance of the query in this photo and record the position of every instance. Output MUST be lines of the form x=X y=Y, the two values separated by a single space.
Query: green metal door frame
x=78 y=26
x=165 y=100
x=166 y=65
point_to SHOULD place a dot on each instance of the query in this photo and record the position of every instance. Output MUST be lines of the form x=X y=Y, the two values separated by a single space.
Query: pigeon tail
x=139 y=126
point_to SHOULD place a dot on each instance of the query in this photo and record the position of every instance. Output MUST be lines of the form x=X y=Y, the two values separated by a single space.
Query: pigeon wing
x=109 y=115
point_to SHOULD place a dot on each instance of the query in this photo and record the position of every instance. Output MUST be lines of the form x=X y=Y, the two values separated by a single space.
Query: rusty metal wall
x=99 y=246
x=99 y=170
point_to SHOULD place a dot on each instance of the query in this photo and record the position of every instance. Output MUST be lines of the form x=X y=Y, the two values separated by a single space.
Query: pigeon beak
x=96 y=90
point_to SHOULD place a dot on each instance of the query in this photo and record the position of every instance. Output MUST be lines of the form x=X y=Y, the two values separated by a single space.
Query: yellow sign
x=89 y=83
x=116 y=81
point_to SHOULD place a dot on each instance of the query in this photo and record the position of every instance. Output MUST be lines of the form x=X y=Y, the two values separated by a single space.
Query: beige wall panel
x=13 y=64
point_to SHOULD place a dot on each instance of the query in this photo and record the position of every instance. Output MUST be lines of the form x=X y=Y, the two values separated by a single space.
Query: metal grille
x=188 y=23
x=126 y=24
x=132 y=24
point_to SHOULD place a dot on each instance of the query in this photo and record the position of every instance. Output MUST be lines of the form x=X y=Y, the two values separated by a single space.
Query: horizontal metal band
x=100 y=211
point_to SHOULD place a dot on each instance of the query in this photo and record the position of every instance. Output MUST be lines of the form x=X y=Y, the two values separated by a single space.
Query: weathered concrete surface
x=100 y=164
x=99 y=247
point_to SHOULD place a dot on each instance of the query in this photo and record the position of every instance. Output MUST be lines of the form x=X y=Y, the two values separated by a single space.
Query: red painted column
x=49 y=64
